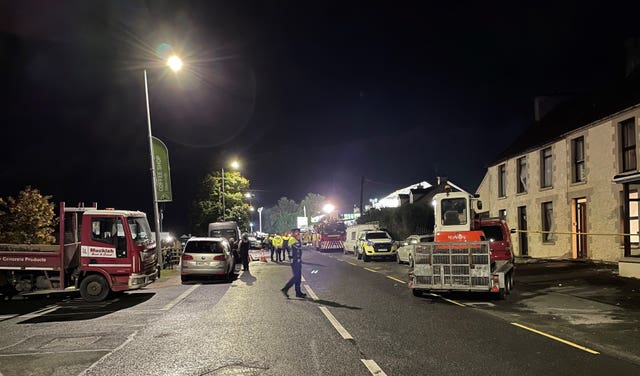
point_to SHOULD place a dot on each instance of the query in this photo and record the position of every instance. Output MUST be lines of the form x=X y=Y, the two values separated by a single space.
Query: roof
x=575 y=114
x=392 y=200
x=127 y=213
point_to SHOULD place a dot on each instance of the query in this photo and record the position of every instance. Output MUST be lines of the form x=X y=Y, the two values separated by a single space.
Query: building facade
x=572 y=193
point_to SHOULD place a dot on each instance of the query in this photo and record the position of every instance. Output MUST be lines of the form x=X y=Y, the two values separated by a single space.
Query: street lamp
x=175 y=64
x=235 y=165
x=260 y=218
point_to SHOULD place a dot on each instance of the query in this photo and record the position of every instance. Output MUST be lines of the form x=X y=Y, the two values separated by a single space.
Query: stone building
x=570 y=182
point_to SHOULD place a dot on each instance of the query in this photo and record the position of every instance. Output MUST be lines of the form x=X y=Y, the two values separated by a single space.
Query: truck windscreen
x=140 y=230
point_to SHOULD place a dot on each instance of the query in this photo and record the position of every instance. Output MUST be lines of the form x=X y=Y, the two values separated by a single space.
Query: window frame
x=628 y=133
x=502 y=180
x=546 y=210
x=546 y=164
x=521 y=167
x=578 y=160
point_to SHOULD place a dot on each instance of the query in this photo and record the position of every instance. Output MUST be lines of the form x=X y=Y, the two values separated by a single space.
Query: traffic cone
x=263 y=258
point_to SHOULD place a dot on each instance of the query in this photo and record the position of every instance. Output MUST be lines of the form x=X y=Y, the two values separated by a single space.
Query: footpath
x=586 y=302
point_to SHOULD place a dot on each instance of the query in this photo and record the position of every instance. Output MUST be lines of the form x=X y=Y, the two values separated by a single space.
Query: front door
x=522 y=226
x=581 y=228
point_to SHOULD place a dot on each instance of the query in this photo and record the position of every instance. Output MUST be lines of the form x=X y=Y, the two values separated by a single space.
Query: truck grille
x=149 y=261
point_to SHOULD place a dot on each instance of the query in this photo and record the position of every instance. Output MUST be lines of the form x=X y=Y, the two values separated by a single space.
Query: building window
x=502 y=214
x=546 y=168
x=628 y=144
x=547 y=221
x=634 y=217
x=522 y=175
x=577 y=147
x=502 y=181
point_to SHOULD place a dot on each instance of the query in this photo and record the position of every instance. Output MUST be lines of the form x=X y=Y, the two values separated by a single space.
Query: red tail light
x=219 y=258
x=187 y=257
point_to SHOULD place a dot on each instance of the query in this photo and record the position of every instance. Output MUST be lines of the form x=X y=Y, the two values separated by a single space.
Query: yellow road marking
x=396 y=279
x=371 y=270
x=556 y=338
x=354 y=264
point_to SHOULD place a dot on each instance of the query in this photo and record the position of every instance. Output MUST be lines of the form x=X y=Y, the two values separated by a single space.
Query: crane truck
x=462 y=257
x=98 y=252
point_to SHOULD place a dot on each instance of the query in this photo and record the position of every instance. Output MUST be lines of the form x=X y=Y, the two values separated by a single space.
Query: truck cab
x=98 y=252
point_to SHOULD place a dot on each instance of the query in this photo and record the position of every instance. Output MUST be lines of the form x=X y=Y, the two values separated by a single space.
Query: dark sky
x=309 y=96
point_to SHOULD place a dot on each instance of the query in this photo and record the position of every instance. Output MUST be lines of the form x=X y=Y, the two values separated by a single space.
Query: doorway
x=581 y=227
x=522 y=235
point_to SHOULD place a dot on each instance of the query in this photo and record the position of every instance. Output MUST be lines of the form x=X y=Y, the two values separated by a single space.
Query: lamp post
x=260 y=218
x=235 y=165
x=175 y=64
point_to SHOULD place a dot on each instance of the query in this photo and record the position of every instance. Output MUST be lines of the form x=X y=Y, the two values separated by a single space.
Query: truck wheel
x=398 y=259
x=94 y=288
x=416 y=292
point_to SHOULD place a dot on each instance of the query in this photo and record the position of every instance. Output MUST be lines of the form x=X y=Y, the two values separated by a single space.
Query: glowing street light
x=175 y=64
x=328 y=208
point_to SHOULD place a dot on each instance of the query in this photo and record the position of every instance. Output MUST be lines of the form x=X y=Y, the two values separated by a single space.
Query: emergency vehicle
x=330 y=235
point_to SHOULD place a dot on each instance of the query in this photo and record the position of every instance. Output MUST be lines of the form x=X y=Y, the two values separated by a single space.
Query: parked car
x=375 y=244
x=407 y=248
x=354 y=233
x=206 y=258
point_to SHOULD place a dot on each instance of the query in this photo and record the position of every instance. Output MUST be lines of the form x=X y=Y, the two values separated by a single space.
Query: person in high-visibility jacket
x=285 y=246
x=277 y=246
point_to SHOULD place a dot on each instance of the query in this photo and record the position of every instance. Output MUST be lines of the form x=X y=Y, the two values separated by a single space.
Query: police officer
x=296 y=266
x=286 y=251
x=277 y=246
x=243 y=251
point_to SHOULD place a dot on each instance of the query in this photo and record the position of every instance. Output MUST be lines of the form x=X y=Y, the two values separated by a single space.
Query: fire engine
x=330 y=235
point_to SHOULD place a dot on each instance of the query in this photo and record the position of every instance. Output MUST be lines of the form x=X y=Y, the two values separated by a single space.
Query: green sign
x=161 y=165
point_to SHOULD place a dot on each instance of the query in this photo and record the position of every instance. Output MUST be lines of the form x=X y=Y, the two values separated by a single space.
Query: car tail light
x=219 y=258
x=186 y=257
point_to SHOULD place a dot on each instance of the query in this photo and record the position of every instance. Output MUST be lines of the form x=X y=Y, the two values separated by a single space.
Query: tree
x=313 y=203
x=282 y=217
x=29 y=219
x=207 y=207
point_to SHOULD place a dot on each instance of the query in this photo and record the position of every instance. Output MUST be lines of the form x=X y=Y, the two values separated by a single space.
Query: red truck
x=331 y=235
x=98 y=252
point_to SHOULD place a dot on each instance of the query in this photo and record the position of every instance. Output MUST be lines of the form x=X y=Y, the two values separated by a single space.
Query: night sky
x=309 y=96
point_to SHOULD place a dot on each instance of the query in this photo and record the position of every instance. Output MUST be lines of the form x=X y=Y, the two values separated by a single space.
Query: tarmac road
x=359 y=319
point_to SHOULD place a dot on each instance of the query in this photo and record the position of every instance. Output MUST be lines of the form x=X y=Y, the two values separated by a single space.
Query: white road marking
x=39 y=313
x=302 y=278
x=373 y=367
x=314 y=271
x=179 y=298
x=336 y=324
x=54 y=352
x=310 y=292
x=6 y=317
x=123 y=344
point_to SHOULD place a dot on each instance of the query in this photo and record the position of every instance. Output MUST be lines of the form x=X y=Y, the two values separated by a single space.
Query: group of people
x=279 y=246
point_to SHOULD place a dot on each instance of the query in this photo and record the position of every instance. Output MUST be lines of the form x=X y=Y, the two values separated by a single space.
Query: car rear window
x=493 y=233
x=204 y=246
x=426 y=239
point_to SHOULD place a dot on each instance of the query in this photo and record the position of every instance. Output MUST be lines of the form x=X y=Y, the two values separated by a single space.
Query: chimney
x=442 y=180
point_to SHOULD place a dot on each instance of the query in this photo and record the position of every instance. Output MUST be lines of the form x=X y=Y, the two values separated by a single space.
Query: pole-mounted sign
x=163 y=176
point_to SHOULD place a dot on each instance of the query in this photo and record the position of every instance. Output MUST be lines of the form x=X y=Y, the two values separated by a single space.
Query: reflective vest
x=277 y=241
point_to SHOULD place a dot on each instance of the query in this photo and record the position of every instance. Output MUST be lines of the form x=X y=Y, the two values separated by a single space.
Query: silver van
x=206 y=258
